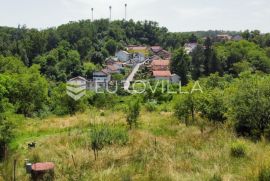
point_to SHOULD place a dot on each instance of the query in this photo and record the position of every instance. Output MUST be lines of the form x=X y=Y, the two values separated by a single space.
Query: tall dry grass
x=159 y=149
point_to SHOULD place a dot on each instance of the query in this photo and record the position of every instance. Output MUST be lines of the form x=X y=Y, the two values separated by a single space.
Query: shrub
x=216 y=178
x=238 y=150
x=212 y=106
x=150 y=106
x=250 y=106
x=102 y=135
x=264 y=174
x=133 y=113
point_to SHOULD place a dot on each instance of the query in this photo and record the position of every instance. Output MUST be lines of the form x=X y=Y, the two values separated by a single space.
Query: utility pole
x=92 y=9
x=126 y=11
x=110 y=7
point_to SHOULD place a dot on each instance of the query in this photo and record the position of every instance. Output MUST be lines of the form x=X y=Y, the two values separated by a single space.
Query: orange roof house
x=157 y=65
x=162 y=74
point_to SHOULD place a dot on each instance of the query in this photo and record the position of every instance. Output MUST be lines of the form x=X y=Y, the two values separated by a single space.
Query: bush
x=150 y=106
x=133 y=113
x=212 y=106
x=250 y=106
x=238 y=150
x=216 y=178
x=264 y=174
x=103 y=135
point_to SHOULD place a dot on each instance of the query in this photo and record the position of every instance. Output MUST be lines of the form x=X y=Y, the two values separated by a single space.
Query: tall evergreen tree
x=197 y=62
x=208 y=53
x=180 y=65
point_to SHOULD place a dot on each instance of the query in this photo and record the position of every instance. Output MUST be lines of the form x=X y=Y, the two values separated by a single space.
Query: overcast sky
x=176 y=15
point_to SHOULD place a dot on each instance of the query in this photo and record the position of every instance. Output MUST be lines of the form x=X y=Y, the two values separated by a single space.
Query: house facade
x=160 y=65
x=123 y=56
x=101 y=76
x=190 y=47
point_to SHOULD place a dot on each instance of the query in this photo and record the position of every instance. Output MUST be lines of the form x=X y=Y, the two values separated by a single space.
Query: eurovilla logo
x=76 y=87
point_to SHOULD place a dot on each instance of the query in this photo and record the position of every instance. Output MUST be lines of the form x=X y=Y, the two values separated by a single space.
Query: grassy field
x=159 y=149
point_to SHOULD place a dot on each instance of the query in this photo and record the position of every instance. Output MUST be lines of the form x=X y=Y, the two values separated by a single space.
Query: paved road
x=132 y=74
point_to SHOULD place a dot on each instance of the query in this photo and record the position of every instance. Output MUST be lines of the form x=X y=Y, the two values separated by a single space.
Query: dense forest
x=35 y=65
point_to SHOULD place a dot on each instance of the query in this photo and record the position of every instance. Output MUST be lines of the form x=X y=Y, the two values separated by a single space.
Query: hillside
x=159 y=149
x=194 y=108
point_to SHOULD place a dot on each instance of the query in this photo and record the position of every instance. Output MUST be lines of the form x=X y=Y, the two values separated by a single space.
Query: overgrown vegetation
x=234 y=101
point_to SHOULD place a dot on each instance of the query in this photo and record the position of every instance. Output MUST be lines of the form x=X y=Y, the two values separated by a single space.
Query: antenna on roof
x=92 y=9
x=110 y=7
x=126 y=11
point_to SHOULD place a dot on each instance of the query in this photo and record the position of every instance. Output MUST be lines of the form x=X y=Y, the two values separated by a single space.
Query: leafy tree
x=97 y=58
x=29 y=92
x=62 y=104
x=111 y=46
x=6 y=126
x=133 y=113
x=250 y=106
x=212 y=106
x=11 y=65
x=6 y=134
x=97 y=140
x=88 y=69
x=185 y=107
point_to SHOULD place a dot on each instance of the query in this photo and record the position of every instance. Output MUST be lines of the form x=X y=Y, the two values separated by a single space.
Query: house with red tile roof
x=160 y=65
x=162 y=75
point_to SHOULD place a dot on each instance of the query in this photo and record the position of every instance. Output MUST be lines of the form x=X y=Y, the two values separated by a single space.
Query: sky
x=176 y=15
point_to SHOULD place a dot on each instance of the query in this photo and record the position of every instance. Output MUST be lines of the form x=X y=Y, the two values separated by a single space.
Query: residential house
x=113 y=69
x=101 y=76
x=165 y=54
x=223 y=37
x=159 y=51
x=123 y=56
x=162 y=75
x=139 y=53
x=237 y=38
x=160 y=65
x=190 y=47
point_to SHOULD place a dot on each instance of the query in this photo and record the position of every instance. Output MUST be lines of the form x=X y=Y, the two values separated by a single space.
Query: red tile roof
x=162 y=74
x=160 y=63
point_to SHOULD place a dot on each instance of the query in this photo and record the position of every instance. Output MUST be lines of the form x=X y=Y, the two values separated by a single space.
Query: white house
x=138 y=57
x=101 y=76
x=101 y=79
x=123 y=56
x=189 y=47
